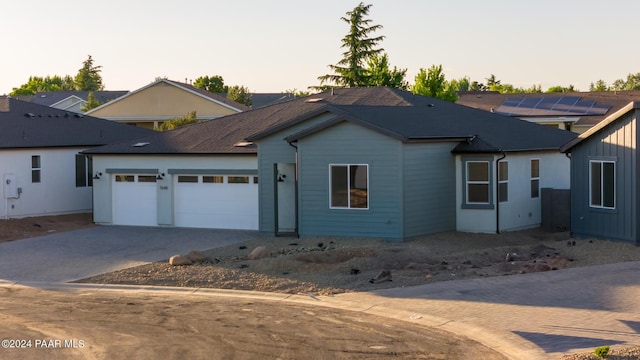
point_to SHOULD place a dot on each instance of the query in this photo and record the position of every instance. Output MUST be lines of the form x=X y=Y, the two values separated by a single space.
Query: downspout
x=295 y=184
x=504 y=155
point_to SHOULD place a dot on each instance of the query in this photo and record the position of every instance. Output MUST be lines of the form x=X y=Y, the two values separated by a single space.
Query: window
x=147 y=178
x=238 y=179
x=477 y=186
x=255 y=179
x=125 y=178
x=213 y=179
x=349 y=186
x=84 y=169
x=535 y=178
x=35 y=168
x=187 y=179
x=603 y=184
x=503 y=181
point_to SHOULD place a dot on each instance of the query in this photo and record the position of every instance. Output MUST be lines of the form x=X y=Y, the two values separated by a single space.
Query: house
x=574 y=111
x=41 y=170
x=605 y=197
x=165 y=99
x=70 y=100
x=375 y=162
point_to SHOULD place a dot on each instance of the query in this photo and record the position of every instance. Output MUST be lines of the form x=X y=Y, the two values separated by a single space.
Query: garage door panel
x=134 y=202
x=216 y=205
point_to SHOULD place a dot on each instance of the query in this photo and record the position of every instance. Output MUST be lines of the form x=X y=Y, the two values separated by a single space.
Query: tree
x=359 y=46
x=558 y=88
x=174 y=123
x=39 y=84
x=297 y=93
x=600 y=85
x=214 y=84
x=631 y=83
x=239 y=94
x=379 y=73
x=432 y=83
x=91 y=102
x=88 y=77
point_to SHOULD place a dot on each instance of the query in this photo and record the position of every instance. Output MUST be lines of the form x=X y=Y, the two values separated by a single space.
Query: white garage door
x=135 y=200
x=216 y=201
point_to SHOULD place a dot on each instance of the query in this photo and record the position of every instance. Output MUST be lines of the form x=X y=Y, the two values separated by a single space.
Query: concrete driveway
x=73 y=255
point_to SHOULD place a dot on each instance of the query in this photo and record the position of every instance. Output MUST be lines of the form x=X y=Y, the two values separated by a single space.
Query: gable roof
x=216 y=98
x=393 y=112
x=605 y=102
x=28 y=125
x=49 y=98
x=599 y=126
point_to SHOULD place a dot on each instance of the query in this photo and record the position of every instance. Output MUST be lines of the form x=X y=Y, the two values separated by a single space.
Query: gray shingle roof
x=28 y=125
x=49 y=98
x=394 y=112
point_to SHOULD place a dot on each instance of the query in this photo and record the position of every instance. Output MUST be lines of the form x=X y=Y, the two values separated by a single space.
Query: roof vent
x=140 y=144
x=30 y=115
x=313 y=100
x=79 y=116
x=243 y=144
x=430 y=105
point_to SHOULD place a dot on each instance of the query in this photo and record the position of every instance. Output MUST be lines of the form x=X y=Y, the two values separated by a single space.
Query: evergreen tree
x=88 y=77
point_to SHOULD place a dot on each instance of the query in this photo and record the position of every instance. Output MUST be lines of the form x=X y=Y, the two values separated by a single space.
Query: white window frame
x=348 y=166
x=601 y=205
x=534 y=178
x=472 y=182
x=36 y=169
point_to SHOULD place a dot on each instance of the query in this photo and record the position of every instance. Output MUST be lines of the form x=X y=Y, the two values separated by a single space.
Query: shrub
x=601 y=351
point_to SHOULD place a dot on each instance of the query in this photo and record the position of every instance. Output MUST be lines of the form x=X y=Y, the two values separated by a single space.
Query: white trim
x=503 y=181
x=532 y=178
x=602 y=206
x=348 y=207
x=467 y=182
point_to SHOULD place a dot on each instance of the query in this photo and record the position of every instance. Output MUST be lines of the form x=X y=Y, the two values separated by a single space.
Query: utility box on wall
x=10 y=186
x=556 y=210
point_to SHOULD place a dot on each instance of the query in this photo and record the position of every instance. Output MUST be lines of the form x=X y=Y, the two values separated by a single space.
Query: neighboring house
x=41 y=170
x=70 y=100
x=263 y=99
x=605 y=198
x=373 y=162
x=162 y=100
x=575 y=111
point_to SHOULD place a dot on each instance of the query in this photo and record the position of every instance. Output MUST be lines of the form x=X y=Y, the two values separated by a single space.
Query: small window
x=603 y=184
x=187 y=179
x=535 y=178
x=35 y=168
x=125 y=178
x=255 y=179
x=503 y=181
x=477 y=182
x=349 y=186
x=213 y=179
x=147 y=178
x=238 y=179
x=84 y=170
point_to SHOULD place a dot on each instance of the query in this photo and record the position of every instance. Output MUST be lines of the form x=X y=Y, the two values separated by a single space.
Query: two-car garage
x=213 y=200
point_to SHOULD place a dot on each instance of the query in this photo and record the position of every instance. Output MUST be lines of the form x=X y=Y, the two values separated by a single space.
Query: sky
x=280 y=45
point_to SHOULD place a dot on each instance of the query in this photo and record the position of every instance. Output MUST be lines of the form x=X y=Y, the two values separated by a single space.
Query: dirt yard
x=14 y=229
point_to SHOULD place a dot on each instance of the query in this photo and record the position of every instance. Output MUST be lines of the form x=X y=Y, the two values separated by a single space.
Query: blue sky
x=272 y=46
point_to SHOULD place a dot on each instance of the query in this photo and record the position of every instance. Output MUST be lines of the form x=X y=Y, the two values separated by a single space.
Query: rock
x=258 y=253
x=196 y=256
x=179 y=260
x=242 y=247
x=384 y=275
x=354 y=271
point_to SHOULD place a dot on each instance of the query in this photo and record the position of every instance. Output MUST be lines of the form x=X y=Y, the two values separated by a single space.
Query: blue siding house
x=604 y=178
x=381 y=162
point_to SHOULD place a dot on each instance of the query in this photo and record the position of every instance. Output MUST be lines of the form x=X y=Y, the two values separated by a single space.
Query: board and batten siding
x=616 y=142
x=273 y=150
x=347 y=143
x=429 y=188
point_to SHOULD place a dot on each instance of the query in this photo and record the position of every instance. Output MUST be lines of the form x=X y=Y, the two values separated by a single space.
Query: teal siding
x=616 y=142
x=429 y=188
x=347 y=143
x=273 y=150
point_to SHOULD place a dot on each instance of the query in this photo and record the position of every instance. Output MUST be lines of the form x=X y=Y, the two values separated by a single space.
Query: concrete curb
x=508 y=344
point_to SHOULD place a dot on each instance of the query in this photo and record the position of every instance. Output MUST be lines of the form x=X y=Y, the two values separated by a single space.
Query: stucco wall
x=55 y=194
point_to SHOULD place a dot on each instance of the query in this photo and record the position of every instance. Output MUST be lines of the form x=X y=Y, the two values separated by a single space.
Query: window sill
x=477 y=206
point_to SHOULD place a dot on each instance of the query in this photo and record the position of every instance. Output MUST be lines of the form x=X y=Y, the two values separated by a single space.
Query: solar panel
x=551 y=106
